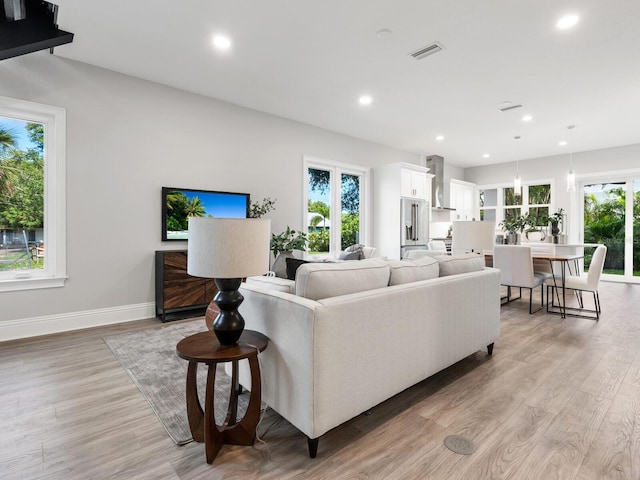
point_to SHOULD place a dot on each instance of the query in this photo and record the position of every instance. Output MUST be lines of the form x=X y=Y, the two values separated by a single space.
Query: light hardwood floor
x=559 y=399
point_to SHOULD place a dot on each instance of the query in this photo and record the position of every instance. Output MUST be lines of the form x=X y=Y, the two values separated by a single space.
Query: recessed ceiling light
x=486 y=155
x=384 y=33
x=527 y=118
x=365 y=100
x=567 y=21
x=562 y=143
x=221 y=42
x=440 y=138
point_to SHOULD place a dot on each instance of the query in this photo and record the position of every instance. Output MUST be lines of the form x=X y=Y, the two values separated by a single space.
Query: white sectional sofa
x=344 y=337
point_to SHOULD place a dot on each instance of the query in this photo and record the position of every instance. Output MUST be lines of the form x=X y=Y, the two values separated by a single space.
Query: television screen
x=178 y=204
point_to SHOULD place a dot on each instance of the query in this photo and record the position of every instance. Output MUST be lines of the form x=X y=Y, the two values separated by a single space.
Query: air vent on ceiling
x=435 y=47
x=509 y=107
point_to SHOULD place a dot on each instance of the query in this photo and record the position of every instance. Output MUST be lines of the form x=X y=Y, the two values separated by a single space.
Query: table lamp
x=228 y=250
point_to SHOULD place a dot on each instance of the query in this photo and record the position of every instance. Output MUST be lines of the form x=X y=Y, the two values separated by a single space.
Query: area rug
x=149 y=357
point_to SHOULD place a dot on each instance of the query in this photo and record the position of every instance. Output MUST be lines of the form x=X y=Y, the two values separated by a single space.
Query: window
x=334 y=205
x=500 y=203
x=538 y=200
x=488 y=204
x=512 y=203
x=32 y=195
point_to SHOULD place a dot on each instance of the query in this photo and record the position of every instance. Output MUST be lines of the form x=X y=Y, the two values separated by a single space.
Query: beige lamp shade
x=228 y=247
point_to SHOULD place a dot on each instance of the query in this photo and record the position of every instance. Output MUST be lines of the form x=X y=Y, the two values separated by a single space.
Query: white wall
x=126 y=138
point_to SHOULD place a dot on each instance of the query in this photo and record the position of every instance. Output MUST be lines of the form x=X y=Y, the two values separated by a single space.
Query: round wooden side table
x=205 y=348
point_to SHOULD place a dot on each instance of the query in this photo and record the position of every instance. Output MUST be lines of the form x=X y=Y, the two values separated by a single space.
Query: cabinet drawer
x=184 y=293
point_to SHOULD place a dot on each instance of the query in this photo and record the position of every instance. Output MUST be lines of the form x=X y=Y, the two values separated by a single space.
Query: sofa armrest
x=286 y=365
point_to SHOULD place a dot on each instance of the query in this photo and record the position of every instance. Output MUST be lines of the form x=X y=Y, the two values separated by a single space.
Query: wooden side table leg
x=232 y=410
x=244 y=433
x=213 y=438
x=194 y=409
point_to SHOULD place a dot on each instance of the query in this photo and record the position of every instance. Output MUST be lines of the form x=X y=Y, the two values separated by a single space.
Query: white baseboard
x=63 y=322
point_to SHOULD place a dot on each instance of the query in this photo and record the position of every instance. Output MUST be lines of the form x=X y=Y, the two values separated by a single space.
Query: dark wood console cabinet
x=178 y=294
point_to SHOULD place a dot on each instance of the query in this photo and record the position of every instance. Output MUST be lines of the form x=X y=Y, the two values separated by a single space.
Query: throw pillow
x=349 y=255
x=454 y=264
x=407 y=271
x=292 y=267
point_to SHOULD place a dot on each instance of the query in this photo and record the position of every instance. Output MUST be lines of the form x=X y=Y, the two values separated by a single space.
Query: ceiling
x=310 y=61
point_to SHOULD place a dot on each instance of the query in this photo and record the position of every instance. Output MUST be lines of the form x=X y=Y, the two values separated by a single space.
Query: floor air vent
x=435 y=47
x=459 y=444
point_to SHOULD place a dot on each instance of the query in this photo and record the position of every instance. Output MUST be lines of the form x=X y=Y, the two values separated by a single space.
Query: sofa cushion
x=420 y=253
x=273 y=283
x=324 y=280
x=454 y=264
x=407 y=271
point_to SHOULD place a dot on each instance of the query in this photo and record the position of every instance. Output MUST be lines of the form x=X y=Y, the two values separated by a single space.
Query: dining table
x=565 y=263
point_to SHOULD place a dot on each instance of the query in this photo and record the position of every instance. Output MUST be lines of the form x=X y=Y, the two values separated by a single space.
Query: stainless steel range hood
x=28 y=26
x=435 y=164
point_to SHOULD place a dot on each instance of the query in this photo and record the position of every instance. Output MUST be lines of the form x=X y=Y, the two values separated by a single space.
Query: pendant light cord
x=571 y=127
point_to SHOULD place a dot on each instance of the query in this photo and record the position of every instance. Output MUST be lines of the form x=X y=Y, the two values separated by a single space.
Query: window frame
x=577 y=200
x=337 y=169
x=524 y=205
x=54 y=272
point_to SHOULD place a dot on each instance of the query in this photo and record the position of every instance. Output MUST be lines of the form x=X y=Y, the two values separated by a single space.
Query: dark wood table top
x=205 y=348
x=546 y=256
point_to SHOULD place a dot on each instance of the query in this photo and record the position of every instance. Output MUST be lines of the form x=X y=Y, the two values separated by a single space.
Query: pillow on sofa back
x=454 y=264
x=324 y=280
x=354 y=252
x=407 y=271
x=350 y=255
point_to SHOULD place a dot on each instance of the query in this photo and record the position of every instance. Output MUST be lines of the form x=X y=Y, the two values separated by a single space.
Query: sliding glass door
x=611 y=216
x=335 y=204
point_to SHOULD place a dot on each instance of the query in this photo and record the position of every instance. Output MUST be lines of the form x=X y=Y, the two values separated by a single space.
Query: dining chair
x=516 y=270
x=587 y=282
x=541 y=265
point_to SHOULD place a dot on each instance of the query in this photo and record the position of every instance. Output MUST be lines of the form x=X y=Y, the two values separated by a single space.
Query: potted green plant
x=282 y=246
x=533 y=230
x=514 y=227
x=554 y=222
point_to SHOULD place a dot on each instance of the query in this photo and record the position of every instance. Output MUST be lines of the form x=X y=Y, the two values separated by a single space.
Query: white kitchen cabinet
x=414 y=183
x=463 y=199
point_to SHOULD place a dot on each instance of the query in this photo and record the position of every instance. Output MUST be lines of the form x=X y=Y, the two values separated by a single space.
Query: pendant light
x=517 y=182
x=571 y=175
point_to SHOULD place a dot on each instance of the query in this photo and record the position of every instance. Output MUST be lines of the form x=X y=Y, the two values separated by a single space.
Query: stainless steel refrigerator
x=414 y=219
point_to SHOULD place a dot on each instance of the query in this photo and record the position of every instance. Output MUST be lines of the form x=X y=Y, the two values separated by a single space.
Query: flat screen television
x=178 y=204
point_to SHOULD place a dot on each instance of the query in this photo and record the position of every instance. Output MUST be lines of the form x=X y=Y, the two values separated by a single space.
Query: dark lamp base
x=229 y=324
